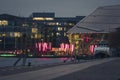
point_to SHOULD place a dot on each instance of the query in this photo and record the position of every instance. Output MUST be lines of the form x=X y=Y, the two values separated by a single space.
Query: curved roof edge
x=102 y=20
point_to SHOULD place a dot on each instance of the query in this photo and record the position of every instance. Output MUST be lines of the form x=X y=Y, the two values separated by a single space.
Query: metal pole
x=4 y=42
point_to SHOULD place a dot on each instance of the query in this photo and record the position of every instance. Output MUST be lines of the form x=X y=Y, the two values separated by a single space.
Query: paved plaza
x=100 y=69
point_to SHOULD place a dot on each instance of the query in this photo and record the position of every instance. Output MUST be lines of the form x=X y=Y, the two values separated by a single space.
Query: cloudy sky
x=62 y=8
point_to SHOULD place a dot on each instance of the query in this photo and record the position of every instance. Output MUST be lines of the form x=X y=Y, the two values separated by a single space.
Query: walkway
x=56 y=71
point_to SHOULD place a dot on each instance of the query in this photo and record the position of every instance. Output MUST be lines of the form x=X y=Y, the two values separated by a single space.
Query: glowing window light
x=25 y=24
x=57 y=33
x=49 y=19
x=70 y=24
x=34 y=30
x=42 y=18
x=0 y=22
x=38 y=18
x=17 y=34
x=57 y=23
x=4 y=34
x=51 y=23
x=3 y=22
x=59 y=28
x=35 y=35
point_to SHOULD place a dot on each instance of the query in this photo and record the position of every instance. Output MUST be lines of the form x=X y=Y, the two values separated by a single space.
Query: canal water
x=4 y=62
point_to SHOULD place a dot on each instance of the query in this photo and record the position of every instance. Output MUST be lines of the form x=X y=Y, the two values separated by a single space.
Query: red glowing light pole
x=43 y=47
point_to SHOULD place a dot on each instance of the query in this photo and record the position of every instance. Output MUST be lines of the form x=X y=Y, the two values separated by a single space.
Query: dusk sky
x=62 y=8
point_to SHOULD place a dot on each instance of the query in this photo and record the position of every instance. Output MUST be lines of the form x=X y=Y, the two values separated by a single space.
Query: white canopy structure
x=102 y=20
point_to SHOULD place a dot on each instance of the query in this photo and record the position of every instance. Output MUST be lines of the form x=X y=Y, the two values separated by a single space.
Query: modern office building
x=19 y=33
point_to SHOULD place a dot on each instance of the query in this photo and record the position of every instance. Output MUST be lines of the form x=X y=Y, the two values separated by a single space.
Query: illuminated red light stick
x=62 y=47
x=71 y=47
x=66 y=47
x=43 y=47
x=92 y=47
x=39 y=46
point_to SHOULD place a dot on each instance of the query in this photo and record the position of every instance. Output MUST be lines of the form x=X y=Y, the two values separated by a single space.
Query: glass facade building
x=18 y=33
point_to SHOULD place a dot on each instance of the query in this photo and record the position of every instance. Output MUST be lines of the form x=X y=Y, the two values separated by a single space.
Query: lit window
x=76 y=37
x=3 y=22
x=71 y=24
x=3 y=34
x=52 y=34
x=25 y=25
x=34 y=30
x=36 y=36
x=57 y=34
x=39 y=35
x=59 y=28
x=64 y=34
x=51 y=23
x=0 y=22
x=17 y=34
x=65 y=29
x=42 y=18
x=37 y=18
x=11 y=34
x=49 y=19
x=57 y=23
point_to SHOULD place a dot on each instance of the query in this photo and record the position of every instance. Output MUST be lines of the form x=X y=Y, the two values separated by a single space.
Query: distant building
x=94 y=28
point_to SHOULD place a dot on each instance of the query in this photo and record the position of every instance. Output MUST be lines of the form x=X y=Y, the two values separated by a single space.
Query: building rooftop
x=43 y=14
x=102 y=20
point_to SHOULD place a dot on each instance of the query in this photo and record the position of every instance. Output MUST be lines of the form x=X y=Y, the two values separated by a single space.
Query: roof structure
x=102 y=20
